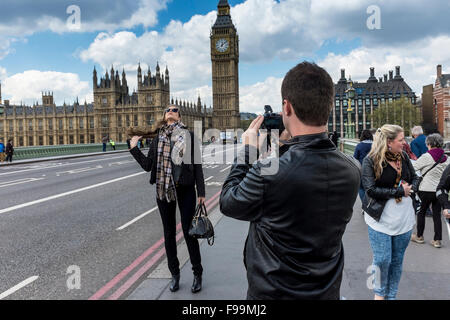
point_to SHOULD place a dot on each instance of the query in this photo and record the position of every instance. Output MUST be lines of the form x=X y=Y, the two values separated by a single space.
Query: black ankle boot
x=175 y=283
x=197 y=284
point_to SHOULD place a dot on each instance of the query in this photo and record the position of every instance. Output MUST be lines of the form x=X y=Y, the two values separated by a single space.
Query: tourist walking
x=2 y=152
x=361 y=151
x=431 y=166
x=442 y=193
x=418 y=146
x=9 y=150
x=104 y=141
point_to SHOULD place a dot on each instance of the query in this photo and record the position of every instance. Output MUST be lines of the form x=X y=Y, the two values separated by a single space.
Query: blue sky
x=37 y=53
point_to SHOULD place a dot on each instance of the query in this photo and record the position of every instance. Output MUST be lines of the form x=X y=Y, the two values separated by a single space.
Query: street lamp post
x=351 y=95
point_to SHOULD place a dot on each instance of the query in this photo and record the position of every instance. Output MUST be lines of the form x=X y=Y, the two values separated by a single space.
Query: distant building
x=441 y=102
x=369 y=95
x=429 y=113
x=112 y=111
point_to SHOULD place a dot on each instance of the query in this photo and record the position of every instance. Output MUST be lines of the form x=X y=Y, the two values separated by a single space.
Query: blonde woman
x=389 y=180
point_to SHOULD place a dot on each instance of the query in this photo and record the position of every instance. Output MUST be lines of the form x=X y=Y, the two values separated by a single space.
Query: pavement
x=426 y=272
x=98 y=215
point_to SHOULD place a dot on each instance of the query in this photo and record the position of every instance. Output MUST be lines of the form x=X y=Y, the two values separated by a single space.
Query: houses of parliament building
x=111 y=113
x=114 y=109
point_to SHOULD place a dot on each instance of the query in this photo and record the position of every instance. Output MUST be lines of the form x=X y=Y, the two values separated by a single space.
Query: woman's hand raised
x=134 y=141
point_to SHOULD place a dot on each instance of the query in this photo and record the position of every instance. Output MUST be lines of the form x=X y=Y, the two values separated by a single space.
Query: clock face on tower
x=222 y=45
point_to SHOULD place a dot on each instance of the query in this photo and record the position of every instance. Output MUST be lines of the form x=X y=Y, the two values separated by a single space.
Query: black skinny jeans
x=427 y=199
x=186 y=199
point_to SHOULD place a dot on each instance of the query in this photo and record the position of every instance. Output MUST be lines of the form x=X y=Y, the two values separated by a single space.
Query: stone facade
x=441 y=102
x=369 y=95
x=225 y=70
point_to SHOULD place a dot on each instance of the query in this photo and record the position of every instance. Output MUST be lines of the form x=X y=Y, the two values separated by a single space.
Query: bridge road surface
x=58 y=216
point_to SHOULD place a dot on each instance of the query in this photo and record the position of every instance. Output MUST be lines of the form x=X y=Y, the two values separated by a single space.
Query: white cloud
x=20 y=20
x=183 y=47
x=26 y=87
x=418 y=61
x=191 y=95
x=2 y=74
x=289 y=29
x=254 y=97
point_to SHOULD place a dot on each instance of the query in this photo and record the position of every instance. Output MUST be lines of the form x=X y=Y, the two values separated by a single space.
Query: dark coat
x=184 y=174
x=297 y=218
x=418 y=146
x=376 y=195
x=9 y=150
x=443 y=188
x=362 y=150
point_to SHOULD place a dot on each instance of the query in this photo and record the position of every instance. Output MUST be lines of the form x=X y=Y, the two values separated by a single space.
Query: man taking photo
x=297 y=215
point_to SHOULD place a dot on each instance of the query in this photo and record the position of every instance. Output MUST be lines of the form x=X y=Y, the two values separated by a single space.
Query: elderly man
x=418 y=145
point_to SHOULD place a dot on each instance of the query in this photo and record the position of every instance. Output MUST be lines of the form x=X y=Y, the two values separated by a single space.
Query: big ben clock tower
x=225 y=70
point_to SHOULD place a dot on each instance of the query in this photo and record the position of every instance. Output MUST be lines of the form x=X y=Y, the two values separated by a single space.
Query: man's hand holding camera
x=250 y=136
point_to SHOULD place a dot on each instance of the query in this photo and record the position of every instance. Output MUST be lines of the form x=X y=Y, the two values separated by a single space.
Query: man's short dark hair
x=310 y=90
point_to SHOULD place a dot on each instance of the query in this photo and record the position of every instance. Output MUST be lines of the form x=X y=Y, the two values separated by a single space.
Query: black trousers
x=427 y=199
x=9 y=157
x=186 y=199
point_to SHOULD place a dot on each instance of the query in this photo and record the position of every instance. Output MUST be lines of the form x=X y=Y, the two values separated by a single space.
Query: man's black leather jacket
x=298 y=217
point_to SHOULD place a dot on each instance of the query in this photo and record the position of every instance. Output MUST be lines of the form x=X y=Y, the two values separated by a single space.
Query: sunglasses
x=173 y=110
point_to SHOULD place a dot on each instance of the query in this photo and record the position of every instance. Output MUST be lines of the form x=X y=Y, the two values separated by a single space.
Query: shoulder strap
x=434 y=166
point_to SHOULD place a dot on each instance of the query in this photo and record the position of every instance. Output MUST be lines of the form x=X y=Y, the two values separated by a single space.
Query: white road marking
x=217 y=152
x=62 y=165
x=120 y=162
x=225 y=169
x=18 y=287
x=214 y=184
x=79 y=170
x=19 y=181
x=136 y=219
x=209 y=178
x=20 y=206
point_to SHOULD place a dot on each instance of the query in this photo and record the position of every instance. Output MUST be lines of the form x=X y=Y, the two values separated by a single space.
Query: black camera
x=272 y=121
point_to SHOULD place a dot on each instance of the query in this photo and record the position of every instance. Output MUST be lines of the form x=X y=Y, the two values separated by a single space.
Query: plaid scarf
x=165 y=187
x=397 y=158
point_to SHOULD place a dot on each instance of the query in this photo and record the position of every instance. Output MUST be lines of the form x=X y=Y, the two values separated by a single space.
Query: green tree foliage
x=400 y=112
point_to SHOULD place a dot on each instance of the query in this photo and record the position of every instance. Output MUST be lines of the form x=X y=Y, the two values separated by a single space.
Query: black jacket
x=184 y=174
x=9 y=149
x=443 y=189
x=377 y=196
x=298 y=217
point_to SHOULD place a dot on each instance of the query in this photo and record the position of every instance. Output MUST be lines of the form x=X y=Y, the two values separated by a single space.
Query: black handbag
x=201 y=226
x=417 y=198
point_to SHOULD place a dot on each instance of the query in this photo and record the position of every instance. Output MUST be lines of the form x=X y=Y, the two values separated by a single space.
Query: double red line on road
x=210 y=203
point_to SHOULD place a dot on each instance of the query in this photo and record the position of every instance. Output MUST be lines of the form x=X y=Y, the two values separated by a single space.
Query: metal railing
x=347 y=145
x=25 y=153
x=22 y=153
